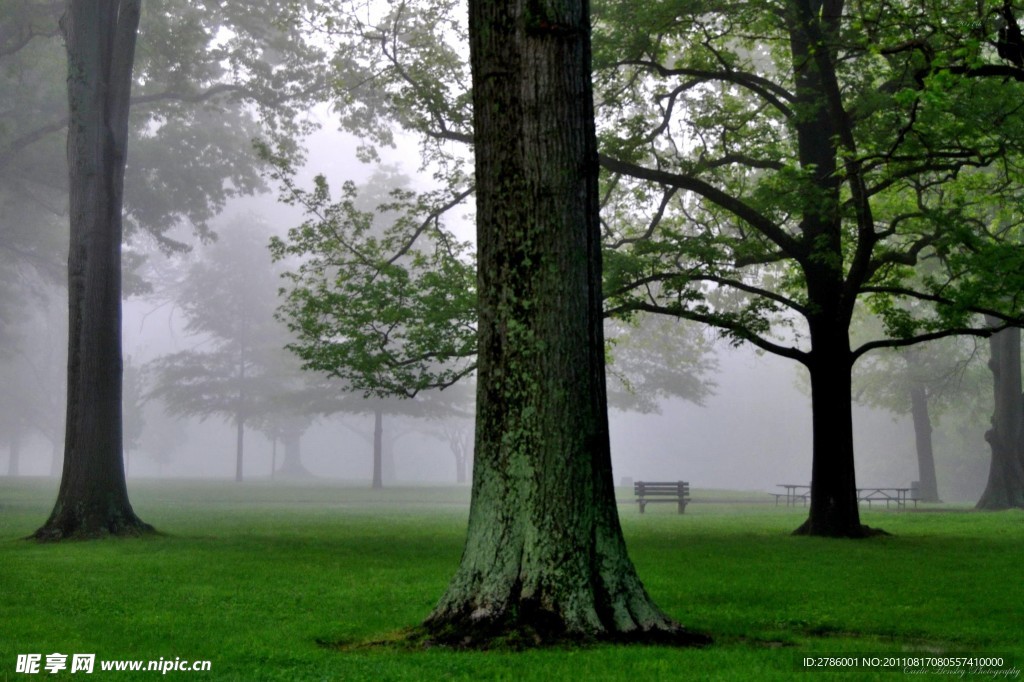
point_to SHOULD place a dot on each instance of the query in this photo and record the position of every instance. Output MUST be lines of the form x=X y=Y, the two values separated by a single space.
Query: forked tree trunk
x=93 y=497
x=1005 y=488
x=544 y=558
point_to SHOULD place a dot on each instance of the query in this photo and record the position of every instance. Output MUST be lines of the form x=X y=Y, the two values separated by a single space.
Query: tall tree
x=544 y=556
x=829 y=150
x=93 y=497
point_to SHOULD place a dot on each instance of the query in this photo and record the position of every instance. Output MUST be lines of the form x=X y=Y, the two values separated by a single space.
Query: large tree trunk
x=544 y=558
x=93 y=497
x=834 y=509
x=1005 y=488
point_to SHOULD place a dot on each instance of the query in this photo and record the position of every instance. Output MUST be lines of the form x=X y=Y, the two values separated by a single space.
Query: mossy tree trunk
x=544 y=558
x=93 y=498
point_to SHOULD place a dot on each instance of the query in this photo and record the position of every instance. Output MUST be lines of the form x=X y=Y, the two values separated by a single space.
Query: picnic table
x=898 y=496
x=793 y=493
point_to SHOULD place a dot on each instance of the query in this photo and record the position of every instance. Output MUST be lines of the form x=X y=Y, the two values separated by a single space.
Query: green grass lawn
x=252 y=576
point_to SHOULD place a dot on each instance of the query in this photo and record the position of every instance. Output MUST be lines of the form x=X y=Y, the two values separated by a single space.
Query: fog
x=752 y=433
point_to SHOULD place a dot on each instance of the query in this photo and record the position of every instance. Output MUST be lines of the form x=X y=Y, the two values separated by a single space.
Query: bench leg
x=642 y=504
x=682 y=506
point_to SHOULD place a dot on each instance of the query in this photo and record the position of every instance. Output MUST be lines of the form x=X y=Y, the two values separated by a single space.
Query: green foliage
x=263 y=580
x=383 y=296
x=716 y=183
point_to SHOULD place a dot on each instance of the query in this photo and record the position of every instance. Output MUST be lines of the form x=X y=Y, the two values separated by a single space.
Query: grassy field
x=252 y=576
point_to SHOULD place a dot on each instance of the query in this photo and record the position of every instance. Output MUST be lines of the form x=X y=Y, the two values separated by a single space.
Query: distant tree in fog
x=33 y=372
x=238 y=369
x=132 y=408
x=921 y=381
x=652 y=358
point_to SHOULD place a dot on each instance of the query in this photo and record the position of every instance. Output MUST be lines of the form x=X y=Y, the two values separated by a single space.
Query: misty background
x=750 y=432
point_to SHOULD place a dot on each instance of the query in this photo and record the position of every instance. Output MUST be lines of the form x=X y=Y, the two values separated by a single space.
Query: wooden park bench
x=671 y=491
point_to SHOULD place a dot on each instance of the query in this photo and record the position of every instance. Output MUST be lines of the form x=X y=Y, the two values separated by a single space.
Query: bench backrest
x=654 y=488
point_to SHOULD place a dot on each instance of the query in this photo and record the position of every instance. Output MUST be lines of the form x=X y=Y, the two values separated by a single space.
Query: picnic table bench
x=648 y=492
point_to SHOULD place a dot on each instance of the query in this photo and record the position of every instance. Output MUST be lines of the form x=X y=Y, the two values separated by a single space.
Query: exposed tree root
x=527 y=628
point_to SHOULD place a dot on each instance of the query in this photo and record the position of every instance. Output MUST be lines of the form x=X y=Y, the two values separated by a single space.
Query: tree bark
x=93 y=497
x=834 y=509
x=544 y=559
x=1005 y=488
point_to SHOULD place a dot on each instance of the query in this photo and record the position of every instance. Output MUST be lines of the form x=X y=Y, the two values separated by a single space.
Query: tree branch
x=983 y=332
x=773 y=93
x=736 y=329
x=735 y=206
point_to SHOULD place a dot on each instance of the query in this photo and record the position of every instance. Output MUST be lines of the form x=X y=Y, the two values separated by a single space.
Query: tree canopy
x=773 y=167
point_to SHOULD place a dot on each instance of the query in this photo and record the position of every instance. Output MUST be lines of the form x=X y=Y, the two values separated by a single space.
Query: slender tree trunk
x=929 y=486
x=239 y=444
x=1005 y=488
x=460 y=467
x=93 y=498
x=240 y=411
x=378 y=454
x=544 y=558
x=388 y=469
x=273 y=457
